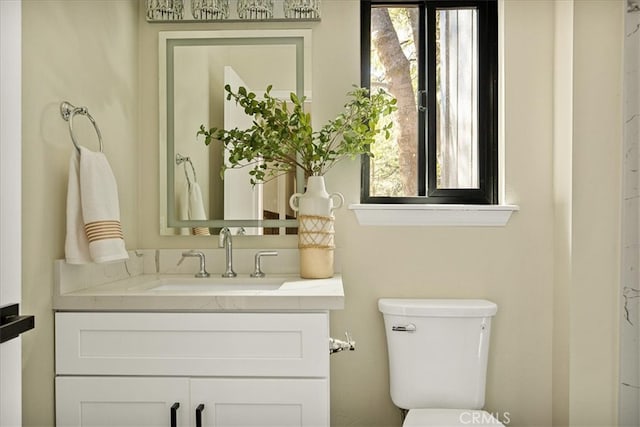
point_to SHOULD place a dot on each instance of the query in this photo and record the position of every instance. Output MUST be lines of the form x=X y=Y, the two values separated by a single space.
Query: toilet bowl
x=438 y=352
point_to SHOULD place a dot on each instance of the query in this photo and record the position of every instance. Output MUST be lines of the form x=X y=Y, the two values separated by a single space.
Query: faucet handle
x=258 y=270
x=202 y=273
x=186 y=254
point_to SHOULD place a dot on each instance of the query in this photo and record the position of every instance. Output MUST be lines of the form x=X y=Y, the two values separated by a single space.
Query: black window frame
x=487 y=191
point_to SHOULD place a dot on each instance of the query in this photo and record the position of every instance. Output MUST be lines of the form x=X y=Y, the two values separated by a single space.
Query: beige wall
x=85 y=53
x=587 y=190
x=595 y=217
x=562 y=186
x=523 y=267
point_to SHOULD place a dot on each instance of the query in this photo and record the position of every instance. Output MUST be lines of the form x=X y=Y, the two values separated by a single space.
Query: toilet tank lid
x=437 y=307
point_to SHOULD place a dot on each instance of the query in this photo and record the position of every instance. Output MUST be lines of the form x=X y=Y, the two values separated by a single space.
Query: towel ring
x=68 y=111
x=182 y=160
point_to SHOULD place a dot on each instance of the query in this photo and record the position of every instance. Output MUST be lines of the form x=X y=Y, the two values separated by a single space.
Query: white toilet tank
x=438 y=351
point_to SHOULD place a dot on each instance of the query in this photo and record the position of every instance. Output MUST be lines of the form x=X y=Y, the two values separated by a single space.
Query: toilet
x=438 y=351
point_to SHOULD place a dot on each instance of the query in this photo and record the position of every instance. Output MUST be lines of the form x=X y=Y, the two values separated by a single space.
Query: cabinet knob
x=199 y=410
x=174 y=414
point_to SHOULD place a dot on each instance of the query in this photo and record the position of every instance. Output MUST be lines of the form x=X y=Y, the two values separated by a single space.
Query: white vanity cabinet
x=241 y=369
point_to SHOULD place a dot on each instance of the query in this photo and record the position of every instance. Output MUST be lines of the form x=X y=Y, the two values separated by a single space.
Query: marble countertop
x=138 y=293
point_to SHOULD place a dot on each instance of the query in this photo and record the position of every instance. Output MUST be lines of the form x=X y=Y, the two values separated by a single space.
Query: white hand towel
x=76 y=245
x=100 y=210
x=183 y=208
x=196 y=209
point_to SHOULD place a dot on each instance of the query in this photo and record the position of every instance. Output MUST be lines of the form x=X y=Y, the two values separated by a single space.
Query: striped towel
x=196 y=209
x=94 y=232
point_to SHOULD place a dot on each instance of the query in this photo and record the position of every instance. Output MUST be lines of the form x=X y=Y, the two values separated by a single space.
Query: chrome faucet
x=225 y=241
x=203 y=271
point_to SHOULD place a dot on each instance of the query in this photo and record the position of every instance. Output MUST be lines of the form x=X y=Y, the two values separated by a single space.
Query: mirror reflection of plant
x=281 y=139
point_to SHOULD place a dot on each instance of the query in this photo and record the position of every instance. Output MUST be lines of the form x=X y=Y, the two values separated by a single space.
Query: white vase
x=315 y=228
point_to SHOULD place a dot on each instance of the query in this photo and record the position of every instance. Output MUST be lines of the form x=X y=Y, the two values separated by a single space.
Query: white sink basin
x=218 y=284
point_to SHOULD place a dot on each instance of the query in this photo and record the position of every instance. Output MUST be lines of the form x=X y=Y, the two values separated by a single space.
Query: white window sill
x=433 y=215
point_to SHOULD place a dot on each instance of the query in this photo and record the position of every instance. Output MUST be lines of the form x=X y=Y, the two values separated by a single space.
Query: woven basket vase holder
x=316 y=228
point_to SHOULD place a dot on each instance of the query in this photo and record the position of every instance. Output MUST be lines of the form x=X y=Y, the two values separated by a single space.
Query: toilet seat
x=450 y=418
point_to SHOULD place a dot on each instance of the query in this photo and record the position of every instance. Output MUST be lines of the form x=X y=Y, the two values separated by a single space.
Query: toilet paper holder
x=336 y=345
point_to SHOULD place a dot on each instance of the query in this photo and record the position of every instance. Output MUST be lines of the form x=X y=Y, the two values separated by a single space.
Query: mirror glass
x=194 y=67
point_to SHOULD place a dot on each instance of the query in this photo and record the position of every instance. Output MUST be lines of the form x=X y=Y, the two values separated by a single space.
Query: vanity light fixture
x=165 y=10
x=255 y=9
x=301 y=9
x=210 y=9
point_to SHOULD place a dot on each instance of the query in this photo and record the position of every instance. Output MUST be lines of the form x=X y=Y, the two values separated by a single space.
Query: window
x=439 y=60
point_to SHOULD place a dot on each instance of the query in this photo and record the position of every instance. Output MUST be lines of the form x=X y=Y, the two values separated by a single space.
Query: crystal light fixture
x=255 y=9
x=302 y=9
x=210 y=9
x=165 y=10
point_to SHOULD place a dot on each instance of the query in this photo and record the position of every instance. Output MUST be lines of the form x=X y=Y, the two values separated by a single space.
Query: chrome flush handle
x=404 y=328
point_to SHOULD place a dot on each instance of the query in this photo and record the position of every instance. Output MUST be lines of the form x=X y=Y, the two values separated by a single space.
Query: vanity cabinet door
x=121 y=402
x=261 y=402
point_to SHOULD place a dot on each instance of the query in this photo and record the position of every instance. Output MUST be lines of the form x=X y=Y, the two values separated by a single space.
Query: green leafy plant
x=281 y=137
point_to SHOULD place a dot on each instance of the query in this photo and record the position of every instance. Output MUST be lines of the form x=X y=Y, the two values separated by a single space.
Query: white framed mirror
x=194 y=67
